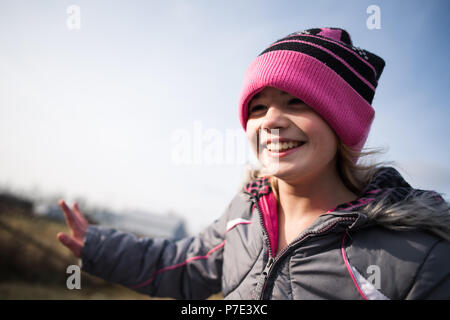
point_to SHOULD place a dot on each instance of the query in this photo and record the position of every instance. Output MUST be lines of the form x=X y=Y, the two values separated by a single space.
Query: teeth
x=276 y=146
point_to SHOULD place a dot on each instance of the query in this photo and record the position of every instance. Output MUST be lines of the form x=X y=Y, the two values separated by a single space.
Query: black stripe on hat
x=349 y=57
x=345 y=37
x=377 y=62
x=354 y=81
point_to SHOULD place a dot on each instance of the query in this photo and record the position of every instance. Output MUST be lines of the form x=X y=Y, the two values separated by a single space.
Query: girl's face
x=310 y=146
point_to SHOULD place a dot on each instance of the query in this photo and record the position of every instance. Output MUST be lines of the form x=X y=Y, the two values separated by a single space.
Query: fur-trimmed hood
x=401 y=207
x=390 y=201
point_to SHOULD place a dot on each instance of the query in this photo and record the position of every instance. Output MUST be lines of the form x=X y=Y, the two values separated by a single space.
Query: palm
x=77 y=224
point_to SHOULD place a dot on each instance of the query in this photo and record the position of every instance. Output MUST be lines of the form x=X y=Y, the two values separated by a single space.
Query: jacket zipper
x=272 y=260
x=266 y=234
x=260 y=285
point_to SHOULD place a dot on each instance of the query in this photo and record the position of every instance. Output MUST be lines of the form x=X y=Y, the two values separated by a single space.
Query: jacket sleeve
x=190 y=268
x=433 y=278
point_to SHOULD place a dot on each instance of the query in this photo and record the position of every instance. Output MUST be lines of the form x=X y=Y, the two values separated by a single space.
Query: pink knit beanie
x=323 y=68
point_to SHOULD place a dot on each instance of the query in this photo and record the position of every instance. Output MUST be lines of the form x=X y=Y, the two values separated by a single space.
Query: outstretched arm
x=190 y=268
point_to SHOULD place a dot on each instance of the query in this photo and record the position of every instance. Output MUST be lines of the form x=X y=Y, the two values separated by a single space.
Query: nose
x=274 y=119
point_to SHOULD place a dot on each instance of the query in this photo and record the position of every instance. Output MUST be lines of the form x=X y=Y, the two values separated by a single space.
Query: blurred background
x=130 y=109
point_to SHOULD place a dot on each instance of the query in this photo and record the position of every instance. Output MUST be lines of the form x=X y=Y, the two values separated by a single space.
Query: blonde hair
x=354 y=175
x=419 y=210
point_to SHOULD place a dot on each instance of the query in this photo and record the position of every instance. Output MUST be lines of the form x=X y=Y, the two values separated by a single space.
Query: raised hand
x=77 y=224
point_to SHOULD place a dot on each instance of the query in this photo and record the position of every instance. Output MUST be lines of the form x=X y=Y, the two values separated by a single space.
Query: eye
x=256 y=108
x=295 y=101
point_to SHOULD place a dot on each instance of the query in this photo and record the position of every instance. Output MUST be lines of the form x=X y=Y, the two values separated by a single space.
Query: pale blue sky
x=91 y=112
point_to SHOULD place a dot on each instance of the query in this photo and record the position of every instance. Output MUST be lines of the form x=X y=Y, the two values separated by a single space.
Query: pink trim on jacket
x=179 y=265
x=269 y=207
x=349 y=268
x=238 y=222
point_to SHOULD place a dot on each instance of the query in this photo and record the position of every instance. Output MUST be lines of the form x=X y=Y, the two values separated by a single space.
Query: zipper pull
x=267 y=267
x=258 y=292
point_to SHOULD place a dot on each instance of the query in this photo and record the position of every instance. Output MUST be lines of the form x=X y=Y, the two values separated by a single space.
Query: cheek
x=326 y=143
x=321 y=136
x=252 y=134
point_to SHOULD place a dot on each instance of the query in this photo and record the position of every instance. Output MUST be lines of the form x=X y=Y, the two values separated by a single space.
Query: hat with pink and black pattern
x=321 y=67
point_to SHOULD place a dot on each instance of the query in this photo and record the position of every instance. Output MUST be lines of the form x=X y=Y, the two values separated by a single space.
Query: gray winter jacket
x=390 y=243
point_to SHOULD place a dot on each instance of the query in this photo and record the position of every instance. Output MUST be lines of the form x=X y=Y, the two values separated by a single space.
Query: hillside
x=33 y=263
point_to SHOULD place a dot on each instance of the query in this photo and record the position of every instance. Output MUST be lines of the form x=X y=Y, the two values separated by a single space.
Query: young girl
x=319 y=225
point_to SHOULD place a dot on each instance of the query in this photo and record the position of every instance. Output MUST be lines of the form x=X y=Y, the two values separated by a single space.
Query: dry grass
x=19 y=290
x=33 y=263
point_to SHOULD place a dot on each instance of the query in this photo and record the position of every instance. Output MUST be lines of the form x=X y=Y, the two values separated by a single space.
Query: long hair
x=419 y=210
x=354 y=175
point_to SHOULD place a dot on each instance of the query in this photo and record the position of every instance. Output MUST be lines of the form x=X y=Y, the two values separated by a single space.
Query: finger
x=70 y=243
x=77 y=211
x=80 y=232
x=71 y=219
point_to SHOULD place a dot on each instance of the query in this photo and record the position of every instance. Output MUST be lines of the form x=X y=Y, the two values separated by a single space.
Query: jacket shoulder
x=397 y=256
x=240 y=206
x=433 y=278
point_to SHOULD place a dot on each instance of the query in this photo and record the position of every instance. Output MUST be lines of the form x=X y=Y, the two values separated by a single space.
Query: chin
x=287 y=172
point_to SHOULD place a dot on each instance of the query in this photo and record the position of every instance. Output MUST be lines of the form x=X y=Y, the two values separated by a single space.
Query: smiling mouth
x=283 y=146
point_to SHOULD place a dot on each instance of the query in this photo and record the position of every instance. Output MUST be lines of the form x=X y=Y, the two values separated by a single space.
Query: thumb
x=70 y=243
